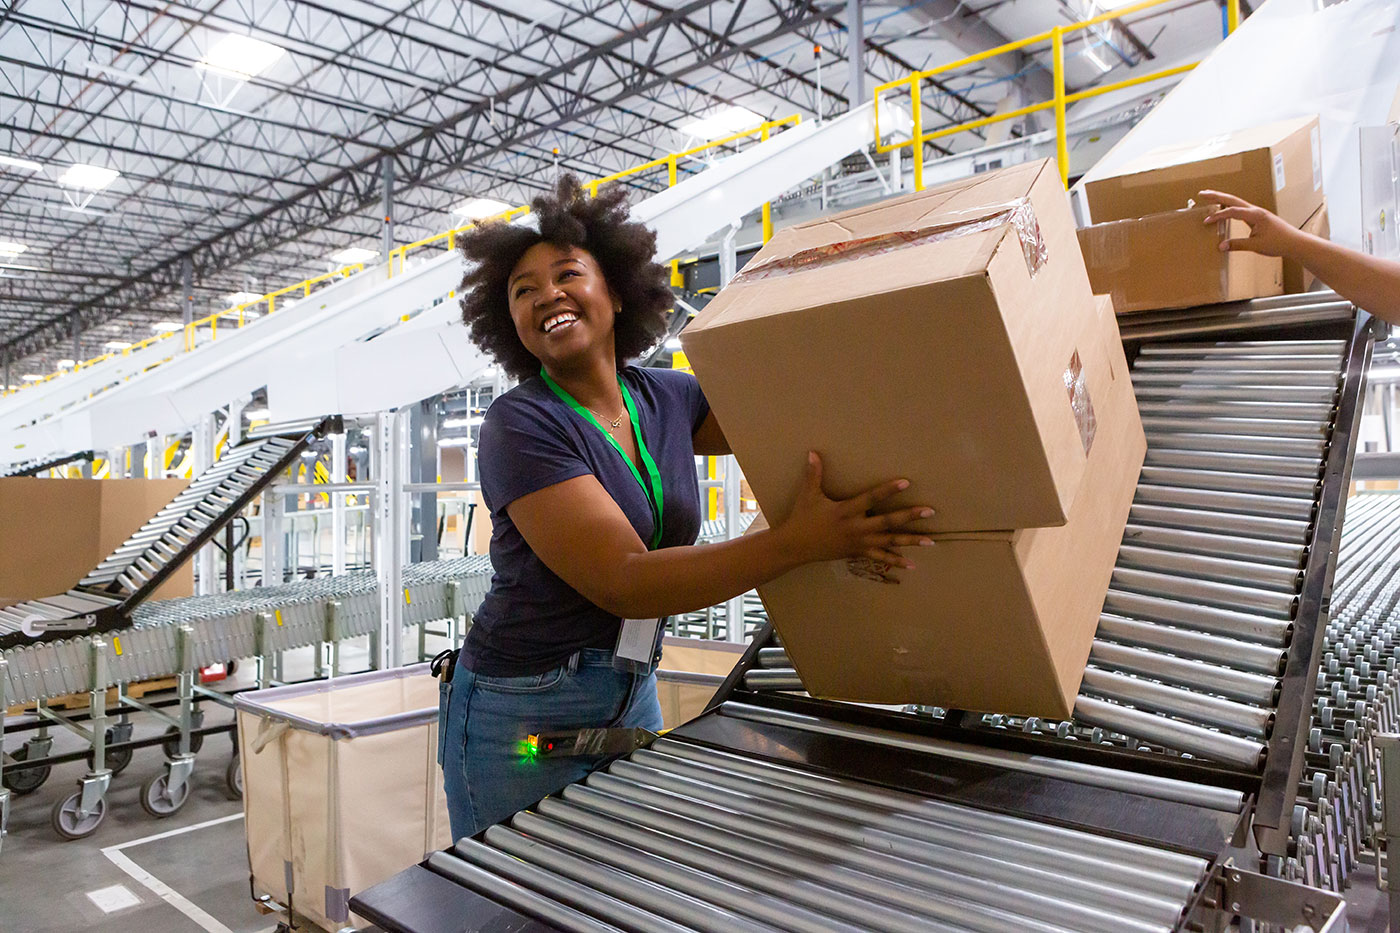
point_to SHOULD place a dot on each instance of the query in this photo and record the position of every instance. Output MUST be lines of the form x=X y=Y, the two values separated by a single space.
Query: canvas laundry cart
x=329 y=765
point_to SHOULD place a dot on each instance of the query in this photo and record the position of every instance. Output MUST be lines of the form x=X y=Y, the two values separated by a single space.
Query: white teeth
x=558 y=320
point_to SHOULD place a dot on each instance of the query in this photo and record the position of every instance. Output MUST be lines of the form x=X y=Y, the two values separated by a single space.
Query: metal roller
x=1208 y=619
x=1228 y=319
x=1257 y=483
x=1252 y=348
x=774 y=657
x=1230 y=652
x=1231 y=547
x=1272 y=605
x=1169 y=425
x=1276 y=579
x=1215 y=798
x=1264 y=379
x=1231 y=503
x=1174 y=701
x=1280 y=393
x=1164 y=360
x=1279 y=530
x=1307 y=468
x=493 y=884
x=1183 y=672
x=1199 y=439
x=772 y=680
x=1194 y=740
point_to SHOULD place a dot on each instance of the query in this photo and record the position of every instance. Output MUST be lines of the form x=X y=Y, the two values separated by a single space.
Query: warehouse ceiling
x=246 y=165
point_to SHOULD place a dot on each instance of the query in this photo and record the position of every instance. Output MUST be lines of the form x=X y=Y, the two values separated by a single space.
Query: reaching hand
x=1269 y=234
x=821 y=528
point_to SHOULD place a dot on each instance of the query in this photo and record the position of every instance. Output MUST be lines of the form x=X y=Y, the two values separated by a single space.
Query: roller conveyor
x=776 y=810
x=105 y=599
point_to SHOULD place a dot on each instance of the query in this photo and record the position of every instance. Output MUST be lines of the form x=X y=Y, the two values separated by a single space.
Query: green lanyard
x=653 y=491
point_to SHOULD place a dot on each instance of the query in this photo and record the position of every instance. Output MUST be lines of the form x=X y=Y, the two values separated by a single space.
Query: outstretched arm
x=1369 y=282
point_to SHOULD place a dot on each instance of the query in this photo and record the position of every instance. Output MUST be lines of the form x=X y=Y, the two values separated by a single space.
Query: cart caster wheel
x=171 y=745
x=157 y=800
x=233 y=779
x=23 y=781
x=69 y=824
x=115 y=760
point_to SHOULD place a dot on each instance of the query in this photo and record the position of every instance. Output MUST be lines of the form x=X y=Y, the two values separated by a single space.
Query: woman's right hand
x=820 y=528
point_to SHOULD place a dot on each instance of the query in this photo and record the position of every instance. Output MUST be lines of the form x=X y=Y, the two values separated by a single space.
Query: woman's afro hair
x=567 y=217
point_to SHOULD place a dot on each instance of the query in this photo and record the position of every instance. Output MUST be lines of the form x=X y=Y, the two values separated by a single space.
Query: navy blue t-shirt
x=531 y=620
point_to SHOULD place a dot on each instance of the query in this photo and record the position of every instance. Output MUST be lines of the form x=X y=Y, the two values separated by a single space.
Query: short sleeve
x=522 y=450
x=681 y=395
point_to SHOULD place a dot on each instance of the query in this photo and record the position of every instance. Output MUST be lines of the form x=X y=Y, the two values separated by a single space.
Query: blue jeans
x=483 y=721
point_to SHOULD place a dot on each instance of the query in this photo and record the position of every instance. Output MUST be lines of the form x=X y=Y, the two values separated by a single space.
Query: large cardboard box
x=937 y=337
x=1276 y=165
x=54 y=531
x=1125 y=261
x=1296 y=278
x=993 y=621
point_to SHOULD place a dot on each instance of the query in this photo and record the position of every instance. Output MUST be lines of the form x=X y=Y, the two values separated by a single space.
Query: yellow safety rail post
x=1232 y=15
x=1059 y=102
x=1057 y=40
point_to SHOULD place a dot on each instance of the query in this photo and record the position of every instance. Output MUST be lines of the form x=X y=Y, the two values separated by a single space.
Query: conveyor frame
x=799 y=731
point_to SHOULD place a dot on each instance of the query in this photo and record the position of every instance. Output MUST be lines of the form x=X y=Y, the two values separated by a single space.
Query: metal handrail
x=671 y=161
x=1056 y=37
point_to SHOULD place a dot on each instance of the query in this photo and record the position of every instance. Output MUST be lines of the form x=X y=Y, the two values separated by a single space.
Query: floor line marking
x=163 y=890
x=174 y=832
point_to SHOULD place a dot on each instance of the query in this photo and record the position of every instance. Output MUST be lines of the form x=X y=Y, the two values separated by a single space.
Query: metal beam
x=953 y=22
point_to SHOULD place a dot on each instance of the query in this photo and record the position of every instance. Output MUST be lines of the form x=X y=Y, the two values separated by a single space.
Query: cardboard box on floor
x=993 y=621
x=1276 y=166
x=1295 y=278
x=937 y=337
x=54 y=531
x=1173 y=260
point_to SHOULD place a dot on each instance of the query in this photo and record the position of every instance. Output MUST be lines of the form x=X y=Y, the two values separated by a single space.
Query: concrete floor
x=188 y=873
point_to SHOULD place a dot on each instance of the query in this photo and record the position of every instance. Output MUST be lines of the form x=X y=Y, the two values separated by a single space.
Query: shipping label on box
x=1277 y=166
x=924 y=337
x=992 y=621
x=1125 y=260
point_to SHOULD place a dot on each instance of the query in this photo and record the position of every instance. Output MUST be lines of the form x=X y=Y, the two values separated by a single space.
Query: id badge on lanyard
x=638 y=647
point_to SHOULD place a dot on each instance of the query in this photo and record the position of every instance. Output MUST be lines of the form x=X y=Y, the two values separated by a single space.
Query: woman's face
x=561 y=304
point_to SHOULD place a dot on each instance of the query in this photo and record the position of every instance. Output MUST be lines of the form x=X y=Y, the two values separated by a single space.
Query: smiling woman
x=588 y=470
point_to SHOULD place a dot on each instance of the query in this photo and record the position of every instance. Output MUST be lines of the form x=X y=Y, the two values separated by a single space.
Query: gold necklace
x=614 y=423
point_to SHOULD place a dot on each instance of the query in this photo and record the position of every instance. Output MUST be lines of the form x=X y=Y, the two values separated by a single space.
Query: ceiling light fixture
x=353 y=255
x=166 y=327
x=673 y=344
x=454 y=442
x=11 y=248
x=480 y=208
x=721 y=122
x=65 y=364
x=88 y=177
x=255 y=414
x=29 y=165
x=32 y=377
x=241 y=298
x=117 y=345
x=241 y=56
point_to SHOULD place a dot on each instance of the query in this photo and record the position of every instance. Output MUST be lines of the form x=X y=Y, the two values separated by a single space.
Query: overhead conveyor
x=312 y=358
x=1166 y=803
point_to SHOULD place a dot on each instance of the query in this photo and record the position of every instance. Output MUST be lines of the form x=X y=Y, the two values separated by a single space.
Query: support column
x=9 y=378
x=855 y=48
x=274 y=541
x=390 y=532
x=423 y=469
x=76 y=354
x=187 y=290
x=386 y=201
x=734 y=608
x=338 y=475
x=202 y=458
x=138 y=461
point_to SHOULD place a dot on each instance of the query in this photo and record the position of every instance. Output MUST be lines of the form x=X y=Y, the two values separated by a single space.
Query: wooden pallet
x=80 y=701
